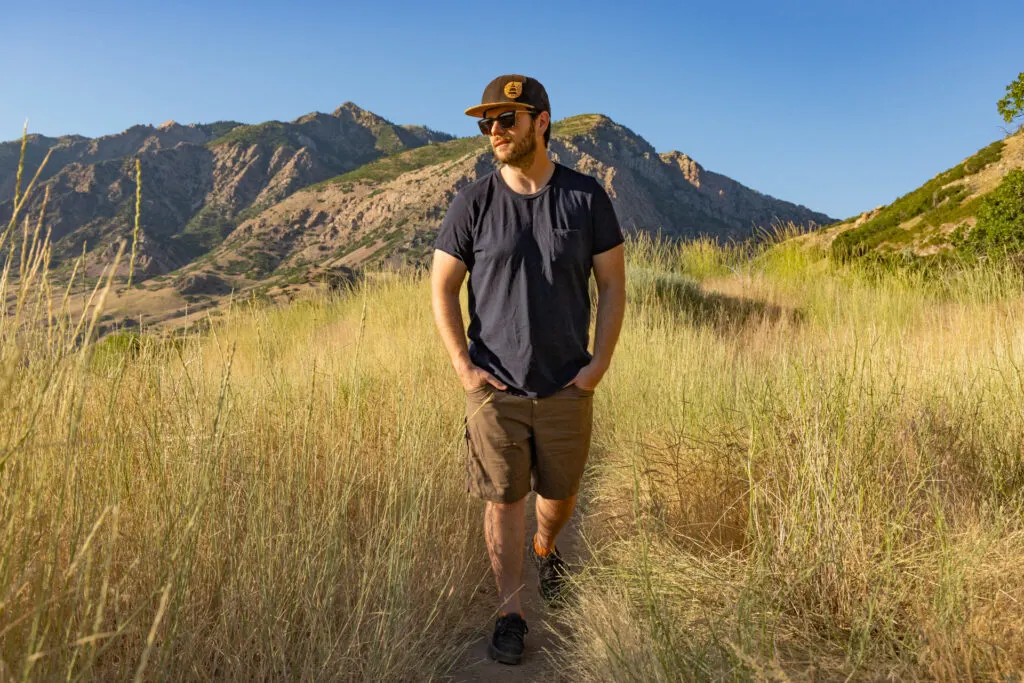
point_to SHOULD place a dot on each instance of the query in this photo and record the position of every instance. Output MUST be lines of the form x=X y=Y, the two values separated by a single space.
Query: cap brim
x=479 y=109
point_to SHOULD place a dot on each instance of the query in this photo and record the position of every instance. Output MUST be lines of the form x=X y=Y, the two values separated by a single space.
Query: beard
x=519 y=153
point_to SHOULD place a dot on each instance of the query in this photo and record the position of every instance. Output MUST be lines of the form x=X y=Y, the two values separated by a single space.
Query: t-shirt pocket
x=569 y=243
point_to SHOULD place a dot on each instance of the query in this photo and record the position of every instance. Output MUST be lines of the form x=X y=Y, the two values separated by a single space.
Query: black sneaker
x=553 y=573
x=507 y=641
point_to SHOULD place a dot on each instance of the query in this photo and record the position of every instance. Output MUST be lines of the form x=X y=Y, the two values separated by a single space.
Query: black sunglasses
x=505 y=121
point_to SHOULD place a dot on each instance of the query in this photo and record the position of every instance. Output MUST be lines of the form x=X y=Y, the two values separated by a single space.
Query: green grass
x=986 y=156
x=388 y=168
x=204 y=231
x=273 y=134
x=582 y=124
x=237 y=267
x=388 y=141
x=219 y=129
x=262 y=262
x=276 y=134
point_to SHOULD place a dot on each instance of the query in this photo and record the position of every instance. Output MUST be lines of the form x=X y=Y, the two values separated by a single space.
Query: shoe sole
x=503 y=657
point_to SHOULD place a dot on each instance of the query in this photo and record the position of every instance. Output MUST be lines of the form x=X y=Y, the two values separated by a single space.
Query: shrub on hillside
x=1000 y=226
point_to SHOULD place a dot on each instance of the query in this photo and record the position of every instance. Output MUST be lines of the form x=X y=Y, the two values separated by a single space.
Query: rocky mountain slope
x=70 y=149
x=669 y=192
x=199 y=181
x=276 y=207
x=389 y=211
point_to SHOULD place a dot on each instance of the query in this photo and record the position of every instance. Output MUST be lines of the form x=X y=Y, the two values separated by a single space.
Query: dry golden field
x=801 y=470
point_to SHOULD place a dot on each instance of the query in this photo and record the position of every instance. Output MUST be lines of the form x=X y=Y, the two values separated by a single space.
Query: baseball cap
x=512 y=89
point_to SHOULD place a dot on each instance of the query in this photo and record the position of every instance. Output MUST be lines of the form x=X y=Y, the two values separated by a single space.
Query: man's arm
x=610 y=274
x=446 y=276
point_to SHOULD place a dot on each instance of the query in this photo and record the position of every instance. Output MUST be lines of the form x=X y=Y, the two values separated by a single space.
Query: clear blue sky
x=839 y=105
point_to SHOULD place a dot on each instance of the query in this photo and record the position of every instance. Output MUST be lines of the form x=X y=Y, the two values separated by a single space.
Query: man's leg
x=551 y=517
x=505 y=533
x=498 y=469
x=562 y=427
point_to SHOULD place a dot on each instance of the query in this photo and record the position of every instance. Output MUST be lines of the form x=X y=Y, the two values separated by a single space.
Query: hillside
x=388 y=211
x=199 y=181
x=276 y=208
x=69 y=149
x=936 y=218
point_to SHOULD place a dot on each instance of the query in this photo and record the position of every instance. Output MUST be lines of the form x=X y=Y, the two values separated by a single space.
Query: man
x=529 y=235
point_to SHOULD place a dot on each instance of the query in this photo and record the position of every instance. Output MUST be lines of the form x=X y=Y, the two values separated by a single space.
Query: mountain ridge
x=198 y=180
x=388 y=210
x=271 y=206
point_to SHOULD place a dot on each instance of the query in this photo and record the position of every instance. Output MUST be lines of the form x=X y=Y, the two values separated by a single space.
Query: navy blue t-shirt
x=529 y=259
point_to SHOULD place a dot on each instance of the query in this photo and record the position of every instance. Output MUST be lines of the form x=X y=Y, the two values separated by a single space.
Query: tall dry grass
x=800 y=470
x=806 y=471
x=281 y=498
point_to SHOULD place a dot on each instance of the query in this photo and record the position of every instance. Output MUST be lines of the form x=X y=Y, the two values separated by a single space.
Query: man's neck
x=529 y=179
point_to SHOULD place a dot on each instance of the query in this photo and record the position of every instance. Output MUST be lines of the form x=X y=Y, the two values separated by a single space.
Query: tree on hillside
x=1012 y=106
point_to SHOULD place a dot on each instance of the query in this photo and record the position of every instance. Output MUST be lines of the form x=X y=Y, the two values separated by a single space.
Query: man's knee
x=501 y=507
x=565 y=500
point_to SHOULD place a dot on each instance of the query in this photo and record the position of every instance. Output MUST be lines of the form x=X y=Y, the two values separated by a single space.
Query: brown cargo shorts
x=515 y=444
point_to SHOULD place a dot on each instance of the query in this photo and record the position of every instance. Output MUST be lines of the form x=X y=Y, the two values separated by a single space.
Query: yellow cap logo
x=513 y=89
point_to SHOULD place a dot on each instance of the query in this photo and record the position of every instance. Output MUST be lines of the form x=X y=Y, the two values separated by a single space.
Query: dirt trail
x=542 y=641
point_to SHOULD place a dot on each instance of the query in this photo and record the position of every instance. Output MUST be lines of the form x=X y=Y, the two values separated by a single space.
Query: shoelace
x=555 y=563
